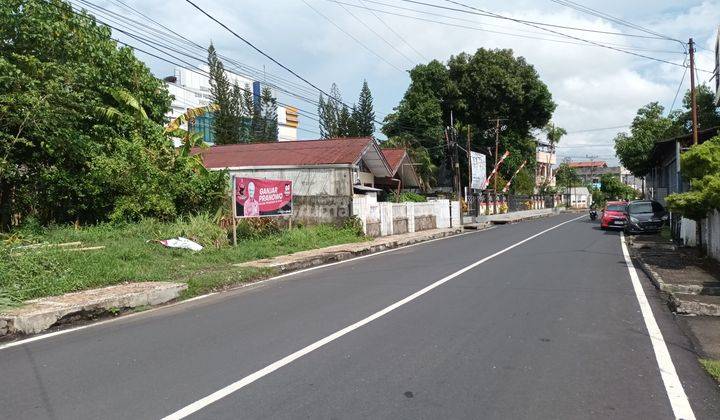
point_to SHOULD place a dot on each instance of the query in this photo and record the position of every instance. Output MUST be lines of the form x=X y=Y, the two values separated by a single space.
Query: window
x=640 y=208
x=616 y=207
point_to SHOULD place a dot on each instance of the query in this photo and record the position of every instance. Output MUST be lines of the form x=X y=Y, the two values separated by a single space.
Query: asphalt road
x=551 y=328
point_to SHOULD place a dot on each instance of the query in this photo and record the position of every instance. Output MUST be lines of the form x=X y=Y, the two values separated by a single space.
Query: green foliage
x=554 y=133
x=407 y=196
x=338 y=121
x=226 y=125
x=257 y=227
x=635 y=149
x=523 y=183
x=712 y=367
x=61 y=157
x=613 y=189
x=364 y=115
x=708 y=113
x=264 y=120
x=566 y=176
x=701 y=165
x=425 y=168
x=475 y=88
x=129 y=257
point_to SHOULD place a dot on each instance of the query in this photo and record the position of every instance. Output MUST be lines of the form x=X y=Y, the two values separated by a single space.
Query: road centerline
x=247 y=380
x=673 y=387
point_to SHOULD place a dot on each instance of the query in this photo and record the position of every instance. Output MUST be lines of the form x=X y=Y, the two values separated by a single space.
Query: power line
x=558 y=39
x=566 y=35
x=400 y=37
x=351 y=36
x=597 y=13
x=672 y=107
x=497 y=16
x=410 y=60
x=598 y=129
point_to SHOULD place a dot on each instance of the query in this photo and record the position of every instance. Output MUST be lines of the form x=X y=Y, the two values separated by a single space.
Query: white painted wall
x=709 y=233
x=369 y=210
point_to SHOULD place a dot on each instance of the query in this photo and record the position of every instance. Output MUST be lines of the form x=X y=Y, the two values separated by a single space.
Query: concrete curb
x=690 y=305
x=40 y=314
x=682 y=299
x=285 y=263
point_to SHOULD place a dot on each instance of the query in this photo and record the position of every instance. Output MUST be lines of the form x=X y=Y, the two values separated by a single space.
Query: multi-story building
x=545 y=159
x=191 y=89
x=590 y=173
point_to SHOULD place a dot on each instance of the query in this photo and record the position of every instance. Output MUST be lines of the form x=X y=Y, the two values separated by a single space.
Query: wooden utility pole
x=469 y=159
x=693 y=94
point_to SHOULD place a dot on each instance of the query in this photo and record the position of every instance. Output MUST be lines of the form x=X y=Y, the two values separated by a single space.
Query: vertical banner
x=479 y=170
x=261 y=197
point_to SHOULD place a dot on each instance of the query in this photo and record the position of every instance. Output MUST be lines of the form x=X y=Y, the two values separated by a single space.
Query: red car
x=613 y=215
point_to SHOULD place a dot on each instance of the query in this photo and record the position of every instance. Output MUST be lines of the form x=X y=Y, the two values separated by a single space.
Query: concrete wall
x=307 y=181
x=316 y=209
x=382 y=219
x=709 y=233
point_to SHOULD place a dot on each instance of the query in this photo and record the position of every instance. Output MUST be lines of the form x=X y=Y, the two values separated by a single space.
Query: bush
x=257 y=227
x=407 y=196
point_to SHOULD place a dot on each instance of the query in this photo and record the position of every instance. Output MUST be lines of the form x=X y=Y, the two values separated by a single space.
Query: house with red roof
x=325 y=173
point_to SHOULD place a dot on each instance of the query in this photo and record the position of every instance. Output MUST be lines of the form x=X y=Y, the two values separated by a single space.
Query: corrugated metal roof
x=291 y=153
x=394 y=158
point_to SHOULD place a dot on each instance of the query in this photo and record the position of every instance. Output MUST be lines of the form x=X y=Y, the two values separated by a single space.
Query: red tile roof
x=593 y=164
x=289 y=153
x=394 y=158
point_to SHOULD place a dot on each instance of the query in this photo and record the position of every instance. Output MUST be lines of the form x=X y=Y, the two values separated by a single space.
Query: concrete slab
x=695 y=304
x=40 y=314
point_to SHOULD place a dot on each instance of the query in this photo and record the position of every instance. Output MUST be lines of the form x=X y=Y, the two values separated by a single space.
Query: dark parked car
x=645 y=216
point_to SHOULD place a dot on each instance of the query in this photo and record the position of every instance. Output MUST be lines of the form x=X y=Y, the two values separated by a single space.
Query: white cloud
x=594 y=87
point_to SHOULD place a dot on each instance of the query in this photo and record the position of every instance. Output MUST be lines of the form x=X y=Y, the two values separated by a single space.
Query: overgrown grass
x=128 y=256
x=712 y=367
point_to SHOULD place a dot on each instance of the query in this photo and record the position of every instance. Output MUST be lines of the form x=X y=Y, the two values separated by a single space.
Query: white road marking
x=236 y=386
x=252 y=284
x=673 y=387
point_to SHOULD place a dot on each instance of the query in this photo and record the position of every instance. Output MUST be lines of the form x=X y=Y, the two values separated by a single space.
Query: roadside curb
x=295 y=262
x=40 y=314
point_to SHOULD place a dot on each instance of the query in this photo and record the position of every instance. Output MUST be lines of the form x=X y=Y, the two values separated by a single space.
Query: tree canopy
x=63 y=156
x=475 y=88
x=701 y=165
x=635 y=149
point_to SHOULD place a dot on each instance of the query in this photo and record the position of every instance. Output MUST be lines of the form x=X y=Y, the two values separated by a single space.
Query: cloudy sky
x=594 y=87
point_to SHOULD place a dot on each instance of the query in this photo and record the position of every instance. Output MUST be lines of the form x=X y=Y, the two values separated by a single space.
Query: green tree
x=264 y=120
x=567 y=176
x=475 y=88
x=554 y=133
x=61 y=158
x=364 y=114
x=635 y=149
x=226 y=125
x=708 y=113
x=613 y=189
x=523 y=183
x=700 y=165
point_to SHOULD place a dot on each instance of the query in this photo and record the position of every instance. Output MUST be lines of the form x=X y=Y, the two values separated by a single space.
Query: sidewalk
x=504 y=218
x=692 y=284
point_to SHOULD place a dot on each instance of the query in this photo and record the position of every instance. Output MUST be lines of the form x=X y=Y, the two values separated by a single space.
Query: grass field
x=128 y=256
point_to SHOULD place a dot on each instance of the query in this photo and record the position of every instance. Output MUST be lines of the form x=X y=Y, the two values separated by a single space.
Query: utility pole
x=693 y=94
x=469 y=160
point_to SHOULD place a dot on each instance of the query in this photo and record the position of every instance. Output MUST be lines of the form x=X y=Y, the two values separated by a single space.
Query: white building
x=191 y=89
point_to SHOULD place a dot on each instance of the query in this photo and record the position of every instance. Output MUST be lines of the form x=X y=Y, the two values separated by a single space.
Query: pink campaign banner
x=262 y=197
